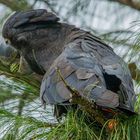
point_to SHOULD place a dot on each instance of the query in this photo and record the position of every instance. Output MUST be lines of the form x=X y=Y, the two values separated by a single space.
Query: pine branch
x=35 y=82
x=89 y=107
x=130 y=3
x=16 y=4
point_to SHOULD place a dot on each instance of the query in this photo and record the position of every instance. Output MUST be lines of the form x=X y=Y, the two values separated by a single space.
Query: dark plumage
x=86 y=63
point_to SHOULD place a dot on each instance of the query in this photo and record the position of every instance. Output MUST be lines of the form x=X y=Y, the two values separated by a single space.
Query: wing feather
x=95 y=71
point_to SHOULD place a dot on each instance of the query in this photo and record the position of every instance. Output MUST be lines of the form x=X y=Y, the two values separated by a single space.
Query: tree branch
x=16 y=4
x=130 y=3
x=89 y=107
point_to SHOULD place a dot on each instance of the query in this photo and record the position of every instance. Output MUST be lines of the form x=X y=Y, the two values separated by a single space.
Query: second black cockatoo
x=86 y=63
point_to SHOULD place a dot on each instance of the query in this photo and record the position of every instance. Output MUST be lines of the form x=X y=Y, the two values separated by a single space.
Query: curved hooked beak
x=6 y=51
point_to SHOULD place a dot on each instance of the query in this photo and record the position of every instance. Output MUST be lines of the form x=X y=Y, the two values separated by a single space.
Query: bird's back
x=91 y=67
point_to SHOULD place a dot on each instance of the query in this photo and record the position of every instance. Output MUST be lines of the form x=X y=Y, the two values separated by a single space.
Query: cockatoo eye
x=7 y=41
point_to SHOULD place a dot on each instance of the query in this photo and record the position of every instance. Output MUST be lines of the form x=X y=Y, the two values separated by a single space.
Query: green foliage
x=75 y=126
x=13 y=127
x=127 y=130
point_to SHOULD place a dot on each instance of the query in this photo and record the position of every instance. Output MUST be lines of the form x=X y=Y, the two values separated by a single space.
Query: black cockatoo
x=86 y=63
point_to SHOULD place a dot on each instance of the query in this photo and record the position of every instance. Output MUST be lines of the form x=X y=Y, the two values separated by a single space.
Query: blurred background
x=117 y=22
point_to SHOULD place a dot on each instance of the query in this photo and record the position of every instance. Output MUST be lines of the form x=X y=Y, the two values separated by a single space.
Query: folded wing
x=92 y=68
